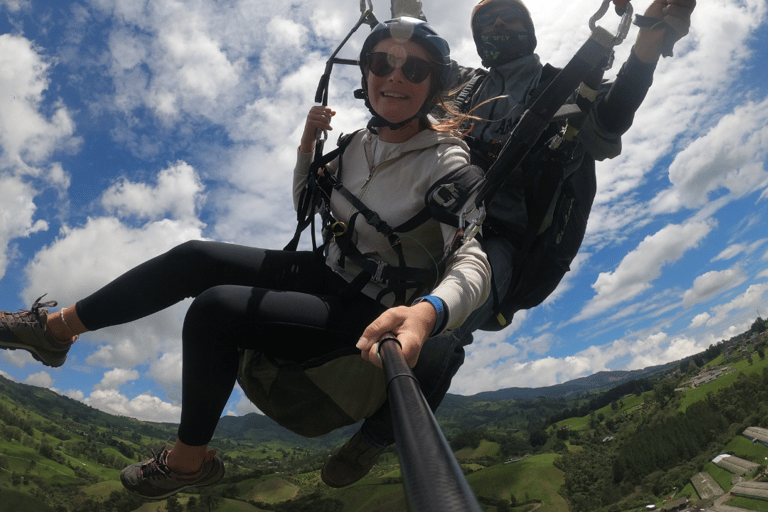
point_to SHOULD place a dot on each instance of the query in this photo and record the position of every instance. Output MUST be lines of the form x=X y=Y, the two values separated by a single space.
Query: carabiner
x=366 y=14
x=624 y=24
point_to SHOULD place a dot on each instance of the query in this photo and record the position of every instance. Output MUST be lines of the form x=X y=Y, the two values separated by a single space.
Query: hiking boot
x=26 y=330
x=153 y=479
x=352 y=462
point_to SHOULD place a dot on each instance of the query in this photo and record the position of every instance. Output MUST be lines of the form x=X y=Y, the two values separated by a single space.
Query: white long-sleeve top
x=392 y=180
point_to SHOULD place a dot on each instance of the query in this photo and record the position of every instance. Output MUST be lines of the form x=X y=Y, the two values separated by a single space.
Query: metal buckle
x=379 y=271
x=338 y=229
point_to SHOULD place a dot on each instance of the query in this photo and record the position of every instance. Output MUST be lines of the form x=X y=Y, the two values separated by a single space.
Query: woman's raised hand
x=318 y=119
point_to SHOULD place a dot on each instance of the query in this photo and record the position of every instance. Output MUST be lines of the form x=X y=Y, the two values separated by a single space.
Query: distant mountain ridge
x=259 y=428
x=596 y=382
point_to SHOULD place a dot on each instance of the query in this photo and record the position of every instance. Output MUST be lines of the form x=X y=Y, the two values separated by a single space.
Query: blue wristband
x=439 y=306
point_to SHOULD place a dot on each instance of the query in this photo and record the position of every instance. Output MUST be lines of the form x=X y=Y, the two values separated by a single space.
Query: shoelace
x=157 y=466
x=31 y=316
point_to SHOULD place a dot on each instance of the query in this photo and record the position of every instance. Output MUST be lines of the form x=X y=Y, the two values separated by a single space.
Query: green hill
x=627 y=446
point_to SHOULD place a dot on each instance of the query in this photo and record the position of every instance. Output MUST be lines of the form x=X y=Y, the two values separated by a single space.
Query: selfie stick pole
x=432 y=477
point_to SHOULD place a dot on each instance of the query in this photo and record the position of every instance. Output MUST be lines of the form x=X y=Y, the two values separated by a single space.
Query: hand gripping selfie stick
x=432 y=477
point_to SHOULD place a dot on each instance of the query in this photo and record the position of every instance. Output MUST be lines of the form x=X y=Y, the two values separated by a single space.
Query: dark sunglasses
x=414 y=69
x=489 y=18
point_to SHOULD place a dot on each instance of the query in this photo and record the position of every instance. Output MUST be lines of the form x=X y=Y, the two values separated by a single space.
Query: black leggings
x=286 y=304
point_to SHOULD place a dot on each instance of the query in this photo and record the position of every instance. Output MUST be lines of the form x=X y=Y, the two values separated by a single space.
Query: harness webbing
x=536 y=119
x=543 y=183
x=316 y=196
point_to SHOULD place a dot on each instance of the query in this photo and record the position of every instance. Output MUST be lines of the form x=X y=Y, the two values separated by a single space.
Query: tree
x=538 y=438
x=758 y=326
x=210 y=501
x=663 y=392
x=173 y=504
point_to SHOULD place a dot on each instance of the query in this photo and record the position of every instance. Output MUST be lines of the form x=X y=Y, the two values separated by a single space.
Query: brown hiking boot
x=154 y=480
x=26 y=330
x=352 y=462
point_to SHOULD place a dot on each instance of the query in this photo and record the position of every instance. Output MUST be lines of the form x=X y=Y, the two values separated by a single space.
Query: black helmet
x=527 y=43
x=421 y=33
x=418 y=31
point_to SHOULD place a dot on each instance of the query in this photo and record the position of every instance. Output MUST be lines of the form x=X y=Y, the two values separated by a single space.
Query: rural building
x=757 y=490
x=756 y=435
x=680 y=504
x=706 y=486
x=735 y=464
x=705 y=377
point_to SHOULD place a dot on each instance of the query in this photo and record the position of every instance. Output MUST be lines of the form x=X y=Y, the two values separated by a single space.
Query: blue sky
x=127 y=127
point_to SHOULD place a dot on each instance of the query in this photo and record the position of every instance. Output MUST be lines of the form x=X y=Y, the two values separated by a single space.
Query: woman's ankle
x=65 y=326
x=188 y=459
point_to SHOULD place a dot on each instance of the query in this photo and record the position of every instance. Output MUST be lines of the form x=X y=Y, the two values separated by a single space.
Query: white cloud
x=752 y=299
x=15 y=5
x=634 y=274
x=687 y=96
x=731 y=156
x=26 y=136
x=713 y=283
x=243 y=407
x=144 y=407
x=178 y=194
x=27 y=139
x=113 y=379
x=83 y=259
x=166 y=371
x=730 y=252
x=623 y=354
x=699 y=320
x=41 y=379
x=17 y=210
x=75 y=394
x=18 y=358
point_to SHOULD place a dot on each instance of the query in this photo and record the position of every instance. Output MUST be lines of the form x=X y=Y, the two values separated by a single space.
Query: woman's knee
x=189 y=252
x=214 y=303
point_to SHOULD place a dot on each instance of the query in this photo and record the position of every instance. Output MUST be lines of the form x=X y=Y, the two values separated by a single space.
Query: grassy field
x=486 y=450
x=630 y=403
x=700 y=393
x=370 y=495
x=268 y=489
x=742 y=447
x=688 y=490
x=535 y=476
x=15 y=501
x=102 y=490
x=720 y=475
x=226 y=506
x=748 y=504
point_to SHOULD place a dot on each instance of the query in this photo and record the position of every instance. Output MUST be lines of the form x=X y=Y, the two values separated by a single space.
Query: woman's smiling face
x=394 y=97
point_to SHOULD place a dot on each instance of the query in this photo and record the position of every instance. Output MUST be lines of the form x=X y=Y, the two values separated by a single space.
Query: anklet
x=74 y=336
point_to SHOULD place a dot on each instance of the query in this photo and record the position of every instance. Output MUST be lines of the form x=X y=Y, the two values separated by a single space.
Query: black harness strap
x=316 y=196
x=314 y=193
x=397 y=278
x=536 y=119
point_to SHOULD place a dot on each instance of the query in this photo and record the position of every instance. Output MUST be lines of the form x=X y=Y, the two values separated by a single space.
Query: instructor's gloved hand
x=671 y=19
x=411 y=324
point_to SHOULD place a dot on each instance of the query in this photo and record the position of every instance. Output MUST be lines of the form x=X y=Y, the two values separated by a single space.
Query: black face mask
x=502 y=46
